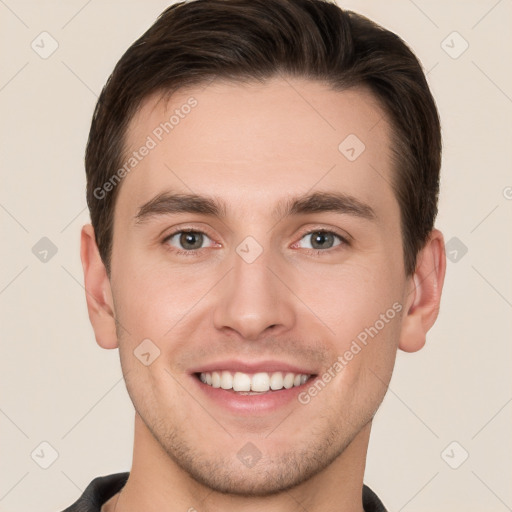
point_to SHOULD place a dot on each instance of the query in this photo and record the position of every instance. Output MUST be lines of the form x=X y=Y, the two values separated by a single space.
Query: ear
x=98 y=292
x=424 y=295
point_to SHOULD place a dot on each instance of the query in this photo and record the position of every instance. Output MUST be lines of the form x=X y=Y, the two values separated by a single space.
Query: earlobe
x=424 y=296
x=98 y=291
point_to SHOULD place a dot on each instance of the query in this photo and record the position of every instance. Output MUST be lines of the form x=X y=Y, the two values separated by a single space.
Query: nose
x=253 y=301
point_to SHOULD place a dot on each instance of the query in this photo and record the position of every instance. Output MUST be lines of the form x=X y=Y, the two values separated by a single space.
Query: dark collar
x=102 y=488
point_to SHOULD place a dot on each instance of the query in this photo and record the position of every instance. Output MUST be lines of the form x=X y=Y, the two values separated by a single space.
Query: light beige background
x=58 y=386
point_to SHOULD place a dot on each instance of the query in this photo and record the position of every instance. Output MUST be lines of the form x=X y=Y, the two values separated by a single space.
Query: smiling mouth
x=253 y=383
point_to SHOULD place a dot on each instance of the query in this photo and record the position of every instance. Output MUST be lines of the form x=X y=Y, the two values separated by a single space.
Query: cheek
x=358 y=306
x=152 y=298
x=366 y=358
x=348 y=298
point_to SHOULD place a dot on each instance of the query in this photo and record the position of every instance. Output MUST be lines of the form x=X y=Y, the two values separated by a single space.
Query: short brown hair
x=197 y=41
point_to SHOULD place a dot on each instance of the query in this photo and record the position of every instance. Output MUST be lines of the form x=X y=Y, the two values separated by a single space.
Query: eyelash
x=196 y=252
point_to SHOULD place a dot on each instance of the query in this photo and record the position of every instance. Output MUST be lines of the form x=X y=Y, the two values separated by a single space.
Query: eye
x=321 y=239
x=187 y=240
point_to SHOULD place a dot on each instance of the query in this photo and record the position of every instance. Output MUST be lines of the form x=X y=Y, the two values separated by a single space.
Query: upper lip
x=252 y=367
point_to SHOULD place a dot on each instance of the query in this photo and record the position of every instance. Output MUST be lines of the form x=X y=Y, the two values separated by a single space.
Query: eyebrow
x=168 y=203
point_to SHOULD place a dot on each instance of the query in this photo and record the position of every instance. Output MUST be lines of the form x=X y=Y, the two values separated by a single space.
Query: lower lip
x=252 y=404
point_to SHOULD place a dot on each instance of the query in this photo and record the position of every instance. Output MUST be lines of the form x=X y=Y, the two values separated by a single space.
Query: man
x=262 y=182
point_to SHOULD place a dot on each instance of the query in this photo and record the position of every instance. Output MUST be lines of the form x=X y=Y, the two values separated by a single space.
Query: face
x=249 y=243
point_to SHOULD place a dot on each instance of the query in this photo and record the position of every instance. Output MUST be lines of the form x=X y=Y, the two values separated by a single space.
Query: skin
x=242 y=145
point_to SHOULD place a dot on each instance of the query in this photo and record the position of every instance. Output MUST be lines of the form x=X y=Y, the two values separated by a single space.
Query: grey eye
x=188 y=240
x=320 y=240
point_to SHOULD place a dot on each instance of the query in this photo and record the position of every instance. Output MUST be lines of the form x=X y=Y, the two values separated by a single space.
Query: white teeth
x=226 y=380
x=260 y=382
x=241 y=382
x=276 y=381
x=215 y=380
x=288 y=380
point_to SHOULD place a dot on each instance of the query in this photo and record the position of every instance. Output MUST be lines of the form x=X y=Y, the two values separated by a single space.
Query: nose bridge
x=253 y=299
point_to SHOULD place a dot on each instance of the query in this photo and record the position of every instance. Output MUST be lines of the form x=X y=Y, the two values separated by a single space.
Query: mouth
x=256 y=383
x=252 y=388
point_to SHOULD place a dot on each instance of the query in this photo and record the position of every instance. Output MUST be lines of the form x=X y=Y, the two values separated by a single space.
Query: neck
x=157 y=484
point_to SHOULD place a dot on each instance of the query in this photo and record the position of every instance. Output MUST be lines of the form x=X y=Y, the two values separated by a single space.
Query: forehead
x=261 y=141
